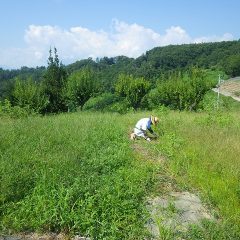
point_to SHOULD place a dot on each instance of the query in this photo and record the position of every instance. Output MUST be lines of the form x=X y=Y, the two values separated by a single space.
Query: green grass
x=79 y=174
x=203 y=155
x=72 y=173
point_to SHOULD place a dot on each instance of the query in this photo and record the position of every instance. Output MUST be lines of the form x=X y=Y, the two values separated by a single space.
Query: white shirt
x=143 y=124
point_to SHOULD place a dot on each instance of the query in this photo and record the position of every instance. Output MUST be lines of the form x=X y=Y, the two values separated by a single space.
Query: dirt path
x=173 y=210
x=170 y=212
x=47 y=236
x=230 y=88
x=227 y=94
x=174 y=213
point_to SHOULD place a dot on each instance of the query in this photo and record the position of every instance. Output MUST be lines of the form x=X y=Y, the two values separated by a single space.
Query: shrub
x=81 y=85
x=151 y=100
x=184 y=92
x=7 y=110
x=107 y=102
x=29 y=95
x=121 y=106
x=100 y=102
x=133 y=89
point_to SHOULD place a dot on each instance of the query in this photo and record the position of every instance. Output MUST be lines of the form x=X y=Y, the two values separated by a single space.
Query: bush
x=100 y=102
x=184 y=92
x=209 y=103
x=7 y=110
x=107 y=102
x=121 y=106
x=151 y=100
x=133 y=89
x=29 y=95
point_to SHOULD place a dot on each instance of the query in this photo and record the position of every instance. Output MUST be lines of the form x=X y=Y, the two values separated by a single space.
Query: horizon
x=96 y=59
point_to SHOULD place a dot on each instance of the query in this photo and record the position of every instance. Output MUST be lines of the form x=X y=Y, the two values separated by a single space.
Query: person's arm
x=150 y=130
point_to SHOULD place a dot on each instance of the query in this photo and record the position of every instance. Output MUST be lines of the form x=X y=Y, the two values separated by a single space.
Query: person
x=144 y=125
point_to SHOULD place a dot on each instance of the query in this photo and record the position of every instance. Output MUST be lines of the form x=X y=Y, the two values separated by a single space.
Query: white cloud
x=76 y=43
x=225 y=37
x=175 y=35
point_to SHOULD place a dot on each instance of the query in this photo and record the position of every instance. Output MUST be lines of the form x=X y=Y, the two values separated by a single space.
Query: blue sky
x=96 y=28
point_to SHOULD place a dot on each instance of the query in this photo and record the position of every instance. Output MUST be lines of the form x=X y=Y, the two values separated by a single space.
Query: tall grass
x=77 y=173
x=203 y=151
x=72 y=173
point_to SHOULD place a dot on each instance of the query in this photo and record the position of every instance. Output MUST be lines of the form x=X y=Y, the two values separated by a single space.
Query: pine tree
x=55 y=79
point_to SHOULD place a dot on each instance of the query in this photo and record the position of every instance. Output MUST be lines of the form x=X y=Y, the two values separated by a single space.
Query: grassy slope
x=72 y=173
x=77 y=173
x=204 y=152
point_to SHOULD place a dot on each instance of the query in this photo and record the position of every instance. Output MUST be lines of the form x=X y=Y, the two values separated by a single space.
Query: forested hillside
x=220 y=55
x=64 y=88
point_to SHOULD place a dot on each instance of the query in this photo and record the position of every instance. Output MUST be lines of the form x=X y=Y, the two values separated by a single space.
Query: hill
x=159 y=60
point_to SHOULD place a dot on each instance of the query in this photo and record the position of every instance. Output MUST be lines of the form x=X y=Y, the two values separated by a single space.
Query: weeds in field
x=72 y=173
x=76 y=173
x=203 y=154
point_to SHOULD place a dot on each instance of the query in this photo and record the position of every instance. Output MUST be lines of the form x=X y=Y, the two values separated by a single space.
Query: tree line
x=173 y=76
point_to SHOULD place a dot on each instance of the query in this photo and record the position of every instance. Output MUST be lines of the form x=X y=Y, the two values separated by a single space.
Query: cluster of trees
x=164 y=75
x=218 y=55
x=184 y=91
x=81 y=89
x=58 y=91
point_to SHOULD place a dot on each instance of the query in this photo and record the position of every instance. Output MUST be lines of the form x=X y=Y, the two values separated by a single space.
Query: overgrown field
x=79 y=174
x=203 y=155
x=72 y=173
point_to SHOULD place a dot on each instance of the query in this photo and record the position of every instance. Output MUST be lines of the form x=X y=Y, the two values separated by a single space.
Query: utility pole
x=219 y=85
x=218 y=96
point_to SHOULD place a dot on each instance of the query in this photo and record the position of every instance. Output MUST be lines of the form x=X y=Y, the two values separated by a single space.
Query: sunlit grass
x=79 y=174
x=72 y=173
x=204 y=155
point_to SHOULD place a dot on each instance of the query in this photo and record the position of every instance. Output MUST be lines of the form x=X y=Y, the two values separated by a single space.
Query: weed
x=72 y=173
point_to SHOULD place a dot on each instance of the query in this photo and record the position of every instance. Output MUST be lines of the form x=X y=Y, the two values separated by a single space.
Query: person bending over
x=144 y=125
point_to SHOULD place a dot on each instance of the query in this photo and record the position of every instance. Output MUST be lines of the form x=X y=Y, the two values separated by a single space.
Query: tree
x=184 y=92
x=55 y=80
x=133 y=89
x=232 y=65
x=29 y=94
x=81 y=85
